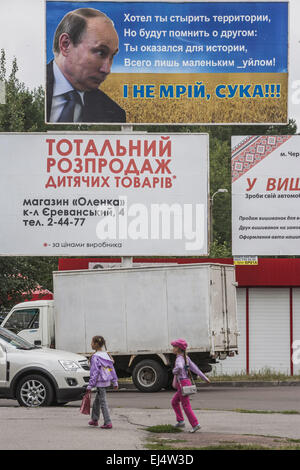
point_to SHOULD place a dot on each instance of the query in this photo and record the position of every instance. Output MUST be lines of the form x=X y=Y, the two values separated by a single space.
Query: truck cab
x=33 y=321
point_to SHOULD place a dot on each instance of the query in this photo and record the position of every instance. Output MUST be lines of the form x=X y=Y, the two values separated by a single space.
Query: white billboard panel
x=99 y=194
x=266 y=195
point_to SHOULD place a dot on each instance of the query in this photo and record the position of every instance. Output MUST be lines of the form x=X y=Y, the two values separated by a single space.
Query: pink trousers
x=186 y=405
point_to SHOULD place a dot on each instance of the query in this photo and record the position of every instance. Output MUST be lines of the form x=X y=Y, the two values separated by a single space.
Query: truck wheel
x=149 y=376
x=169 y=383
x=33 y=391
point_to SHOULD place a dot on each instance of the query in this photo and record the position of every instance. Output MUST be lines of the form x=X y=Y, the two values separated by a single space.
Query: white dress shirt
x=61 y=86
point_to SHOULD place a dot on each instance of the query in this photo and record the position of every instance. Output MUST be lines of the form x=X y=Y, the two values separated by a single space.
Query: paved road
x=268 y=398
x=65 y=428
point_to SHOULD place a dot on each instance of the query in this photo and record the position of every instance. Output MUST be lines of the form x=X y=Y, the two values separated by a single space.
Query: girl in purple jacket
x=181 y=378
x=101 y=375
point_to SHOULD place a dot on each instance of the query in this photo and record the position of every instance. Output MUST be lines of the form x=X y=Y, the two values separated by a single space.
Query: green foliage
x=19 y=275
x=23 y=111
x=219 y=249
x=164 y=428
x=267 y=412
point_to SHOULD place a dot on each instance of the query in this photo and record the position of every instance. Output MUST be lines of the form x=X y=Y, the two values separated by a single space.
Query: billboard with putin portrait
x=172 y=62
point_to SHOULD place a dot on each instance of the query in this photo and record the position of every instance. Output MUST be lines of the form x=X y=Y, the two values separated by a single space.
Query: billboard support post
x=127 y=261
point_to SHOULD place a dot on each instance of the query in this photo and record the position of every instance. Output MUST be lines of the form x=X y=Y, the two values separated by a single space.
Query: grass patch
x=241 y=410
x=262 y=375
x=246 y=447
x=226 y=445
x=268 y=412
x=163 y=428
x=233 y=446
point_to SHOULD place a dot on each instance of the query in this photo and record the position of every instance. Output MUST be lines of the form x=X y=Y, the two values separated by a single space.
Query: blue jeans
x=100 y=403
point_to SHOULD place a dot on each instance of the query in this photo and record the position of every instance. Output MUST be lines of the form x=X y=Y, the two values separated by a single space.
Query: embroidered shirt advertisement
x=265 y=195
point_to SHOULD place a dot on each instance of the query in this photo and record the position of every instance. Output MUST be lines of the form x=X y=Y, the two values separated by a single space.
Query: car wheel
x=33 y=391
x=149 y=376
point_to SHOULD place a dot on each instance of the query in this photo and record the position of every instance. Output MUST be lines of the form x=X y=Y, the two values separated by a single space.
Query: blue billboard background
x=265 y=49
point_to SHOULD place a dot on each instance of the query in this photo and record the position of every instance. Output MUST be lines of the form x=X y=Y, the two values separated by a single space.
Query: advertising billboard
x=266 y=195
x=98 y=194
x=167 y=62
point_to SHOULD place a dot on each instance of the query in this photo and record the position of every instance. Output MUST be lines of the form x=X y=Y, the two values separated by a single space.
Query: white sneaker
x=180 y=424
x=195 y=428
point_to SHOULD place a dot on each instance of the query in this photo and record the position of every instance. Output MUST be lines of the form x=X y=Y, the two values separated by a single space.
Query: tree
x=21 y=275
x=23 y=110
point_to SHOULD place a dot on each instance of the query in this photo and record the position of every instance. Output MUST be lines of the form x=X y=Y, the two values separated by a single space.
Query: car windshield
x=14 y=340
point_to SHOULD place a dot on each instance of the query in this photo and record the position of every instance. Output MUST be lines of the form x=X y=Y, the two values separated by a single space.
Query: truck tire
x=33 y=391
x=149 y=376
x=169 y=383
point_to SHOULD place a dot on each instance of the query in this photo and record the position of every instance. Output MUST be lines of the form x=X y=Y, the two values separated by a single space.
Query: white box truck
x=139 y=311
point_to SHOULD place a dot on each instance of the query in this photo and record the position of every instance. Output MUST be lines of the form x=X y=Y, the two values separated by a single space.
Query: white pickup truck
x=139 y=311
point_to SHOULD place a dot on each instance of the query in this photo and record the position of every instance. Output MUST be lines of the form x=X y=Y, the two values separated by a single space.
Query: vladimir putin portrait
x=84 y=46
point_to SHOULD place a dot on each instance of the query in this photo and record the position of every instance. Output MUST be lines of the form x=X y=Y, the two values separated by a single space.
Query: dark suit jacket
x=98 y=106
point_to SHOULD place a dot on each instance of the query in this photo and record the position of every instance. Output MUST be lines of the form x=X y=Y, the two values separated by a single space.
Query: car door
x=25 y=322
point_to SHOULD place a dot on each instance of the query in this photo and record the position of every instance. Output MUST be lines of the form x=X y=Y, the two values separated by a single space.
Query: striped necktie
x=67 y=115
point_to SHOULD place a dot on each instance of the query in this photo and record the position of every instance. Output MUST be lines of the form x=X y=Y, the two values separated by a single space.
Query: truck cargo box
x=140 y=310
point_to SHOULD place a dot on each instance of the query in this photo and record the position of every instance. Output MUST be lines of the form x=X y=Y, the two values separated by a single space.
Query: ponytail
x=185 y=358
x=187 y=366
x=100 y=341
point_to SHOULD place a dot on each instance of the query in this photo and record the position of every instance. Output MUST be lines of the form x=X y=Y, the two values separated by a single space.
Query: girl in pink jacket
x=181 y=378
x=101 y=375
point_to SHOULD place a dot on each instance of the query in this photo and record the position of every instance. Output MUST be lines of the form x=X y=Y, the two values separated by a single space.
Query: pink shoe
x=106 y=426
x=93 y=423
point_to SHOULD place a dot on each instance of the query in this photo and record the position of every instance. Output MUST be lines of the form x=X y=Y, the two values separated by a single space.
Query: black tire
x=205 y=367
x=33 y=391
x=168 y=384
x=149 y=376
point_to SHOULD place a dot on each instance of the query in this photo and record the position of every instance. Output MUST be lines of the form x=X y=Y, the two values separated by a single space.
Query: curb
x=274 y=383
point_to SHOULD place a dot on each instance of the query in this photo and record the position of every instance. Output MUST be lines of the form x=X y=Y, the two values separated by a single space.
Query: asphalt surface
x=268 y=398
x=221 y=398
x=131 y=412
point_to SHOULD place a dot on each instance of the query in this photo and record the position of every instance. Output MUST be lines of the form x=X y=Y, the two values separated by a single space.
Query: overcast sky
x=22 y=33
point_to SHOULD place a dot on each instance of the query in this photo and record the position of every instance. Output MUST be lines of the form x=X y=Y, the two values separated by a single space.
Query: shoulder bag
x=188 y=389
